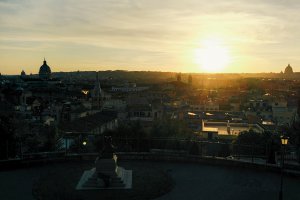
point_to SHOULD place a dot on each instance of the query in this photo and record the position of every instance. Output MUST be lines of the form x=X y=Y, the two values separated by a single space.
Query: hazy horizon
x=234 y=36
x=150 y=71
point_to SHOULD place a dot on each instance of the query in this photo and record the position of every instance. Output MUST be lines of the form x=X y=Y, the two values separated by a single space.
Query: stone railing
x=150 y=156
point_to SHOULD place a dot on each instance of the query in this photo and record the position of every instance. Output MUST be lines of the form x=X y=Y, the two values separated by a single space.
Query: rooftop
x=88 y=123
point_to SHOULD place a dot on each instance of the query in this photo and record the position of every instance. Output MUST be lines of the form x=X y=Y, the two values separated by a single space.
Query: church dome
x=23 y=73
x=288 y=70
x=45 y=71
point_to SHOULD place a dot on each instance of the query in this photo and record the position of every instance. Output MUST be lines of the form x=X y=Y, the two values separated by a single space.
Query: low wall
x=195 y=159
x=164 y=157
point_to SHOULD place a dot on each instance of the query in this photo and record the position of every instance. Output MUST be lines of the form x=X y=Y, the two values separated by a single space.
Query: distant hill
x=151 y=76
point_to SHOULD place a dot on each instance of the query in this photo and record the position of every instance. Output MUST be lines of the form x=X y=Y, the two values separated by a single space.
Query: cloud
x=139 y=32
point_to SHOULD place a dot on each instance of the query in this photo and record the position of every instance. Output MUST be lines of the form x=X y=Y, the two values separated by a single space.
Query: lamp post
x=85 y=92
x=284 y=141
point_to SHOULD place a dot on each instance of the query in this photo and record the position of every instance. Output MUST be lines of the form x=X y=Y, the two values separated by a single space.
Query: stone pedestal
x=106 y=175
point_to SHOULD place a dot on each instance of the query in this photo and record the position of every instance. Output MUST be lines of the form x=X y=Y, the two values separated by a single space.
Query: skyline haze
x=246 y=37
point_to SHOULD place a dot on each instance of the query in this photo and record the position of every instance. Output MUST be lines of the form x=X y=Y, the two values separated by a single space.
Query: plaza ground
x=191 y=181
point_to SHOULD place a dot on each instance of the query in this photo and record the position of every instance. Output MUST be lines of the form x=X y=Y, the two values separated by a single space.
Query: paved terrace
x=192 y=181
x=197 y=181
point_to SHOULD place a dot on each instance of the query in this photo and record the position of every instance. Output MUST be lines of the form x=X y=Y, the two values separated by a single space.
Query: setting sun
x=213 y=56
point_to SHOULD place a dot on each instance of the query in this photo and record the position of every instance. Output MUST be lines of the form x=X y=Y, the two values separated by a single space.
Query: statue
x=106 y=174
x=106 y=162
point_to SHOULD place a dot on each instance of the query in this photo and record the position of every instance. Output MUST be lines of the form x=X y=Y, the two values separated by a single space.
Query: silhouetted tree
x=8 y=139
x=251 y=142
x=170 y=128
x=51 y=139
x=194 y=150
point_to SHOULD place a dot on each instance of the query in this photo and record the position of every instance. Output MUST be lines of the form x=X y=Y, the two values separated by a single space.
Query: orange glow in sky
x=171 y=35
x=213 y=56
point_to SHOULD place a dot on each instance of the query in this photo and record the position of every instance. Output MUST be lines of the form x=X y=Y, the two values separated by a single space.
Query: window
x=142 y=114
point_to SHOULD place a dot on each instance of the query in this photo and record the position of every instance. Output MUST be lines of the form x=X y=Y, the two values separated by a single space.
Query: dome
x=45 y=71
x=288 y=69
x=23 y=73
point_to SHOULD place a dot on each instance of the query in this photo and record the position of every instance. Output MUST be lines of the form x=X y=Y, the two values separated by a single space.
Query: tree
x=127 y=137
x=293 y=132
x=251 y=137
x=8 y=139
x=251 y=142
x=170 y=128
x=51 y=139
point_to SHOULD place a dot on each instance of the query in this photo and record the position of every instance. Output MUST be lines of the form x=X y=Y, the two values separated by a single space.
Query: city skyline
x=191 y=36
x=149 y=99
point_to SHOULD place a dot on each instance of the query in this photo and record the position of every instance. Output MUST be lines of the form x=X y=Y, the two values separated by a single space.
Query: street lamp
x=284 y=141
x=85 y=92
x=84 y=143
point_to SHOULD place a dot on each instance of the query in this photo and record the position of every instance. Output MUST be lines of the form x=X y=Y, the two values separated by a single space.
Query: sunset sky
x=155 y=35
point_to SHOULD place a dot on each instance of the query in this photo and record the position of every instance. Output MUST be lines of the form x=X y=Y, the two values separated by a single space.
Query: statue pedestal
x=106 y=175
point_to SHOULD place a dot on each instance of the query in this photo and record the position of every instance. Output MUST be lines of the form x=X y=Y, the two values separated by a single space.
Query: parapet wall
x=146 y=156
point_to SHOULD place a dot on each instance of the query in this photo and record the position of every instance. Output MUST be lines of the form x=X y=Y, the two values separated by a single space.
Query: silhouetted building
x=190 y=80
x=45 y=71
x=92 y=124
x=97 y=93
x=23 y=73
x=288 y=70
x=178 y=77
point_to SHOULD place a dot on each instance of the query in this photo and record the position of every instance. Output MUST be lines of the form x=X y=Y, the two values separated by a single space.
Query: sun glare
x=213 y=56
